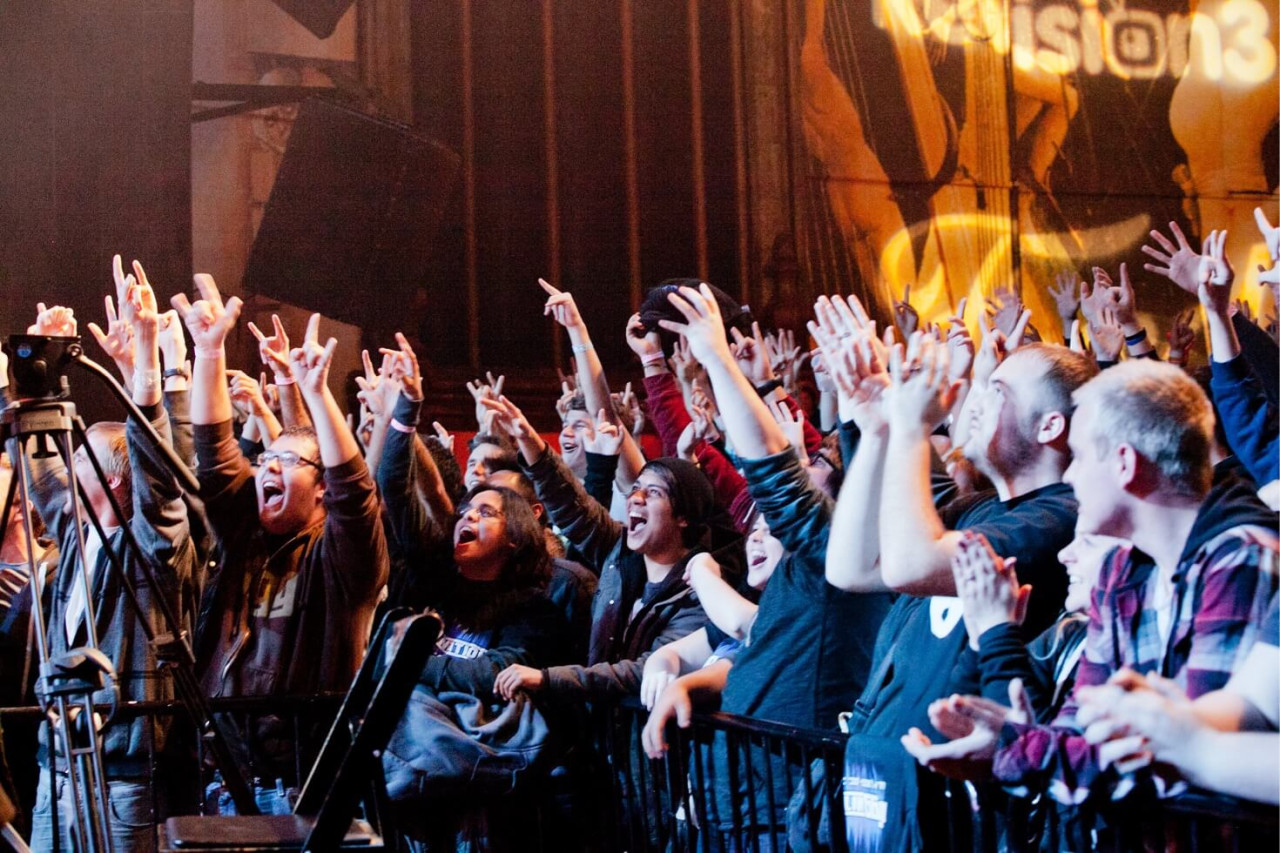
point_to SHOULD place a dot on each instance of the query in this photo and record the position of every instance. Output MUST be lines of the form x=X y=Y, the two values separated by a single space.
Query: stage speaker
x=349 y=226
x=319 y=16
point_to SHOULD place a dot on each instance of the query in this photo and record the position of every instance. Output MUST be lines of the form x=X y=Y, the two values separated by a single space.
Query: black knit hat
x=691 y=495
x=656 y=307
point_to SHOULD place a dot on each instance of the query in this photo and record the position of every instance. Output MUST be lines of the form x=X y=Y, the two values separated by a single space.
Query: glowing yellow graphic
x=992 y=216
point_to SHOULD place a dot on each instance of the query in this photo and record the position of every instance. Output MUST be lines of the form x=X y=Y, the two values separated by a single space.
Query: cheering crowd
x=1048 y=567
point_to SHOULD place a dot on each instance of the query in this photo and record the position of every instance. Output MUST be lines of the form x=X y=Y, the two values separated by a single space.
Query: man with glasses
x=289 y=608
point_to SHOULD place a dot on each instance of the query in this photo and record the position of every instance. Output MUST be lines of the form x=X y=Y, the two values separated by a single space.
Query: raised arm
x=177 y=386
x=854 y=357
x=399 y=467
x=754 y=432
x=915 y=547
x=309 y=367
x=159 y=515
x=209 y=323
x=274 y=351
x=591 y=378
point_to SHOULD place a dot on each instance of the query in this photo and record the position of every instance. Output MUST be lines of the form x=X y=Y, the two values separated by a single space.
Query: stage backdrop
x=599 y=151
x=960 y=146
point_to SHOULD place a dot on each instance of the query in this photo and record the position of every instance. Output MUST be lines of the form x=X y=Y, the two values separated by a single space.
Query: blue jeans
x=132 y=819
x=273 y=800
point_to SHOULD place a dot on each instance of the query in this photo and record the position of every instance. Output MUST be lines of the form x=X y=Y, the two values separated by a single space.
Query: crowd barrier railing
x=686 y=802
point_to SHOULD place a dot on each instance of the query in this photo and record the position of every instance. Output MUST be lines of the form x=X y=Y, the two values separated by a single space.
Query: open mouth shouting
x=465 y=535
x=637 y=523
x=272 y=494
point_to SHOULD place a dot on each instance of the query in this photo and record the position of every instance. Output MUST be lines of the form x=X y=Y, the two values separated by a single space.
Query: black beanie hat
x=656 y=307
x=691 y=495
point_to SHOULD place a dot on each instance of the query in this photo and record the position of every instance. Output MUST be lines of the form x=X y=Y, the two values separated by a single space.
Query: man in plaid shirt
x=1186 y=599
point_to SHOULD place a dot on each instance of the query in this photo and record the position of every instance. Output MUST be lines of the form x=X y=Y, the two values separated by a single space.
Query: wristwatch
x=182 y=371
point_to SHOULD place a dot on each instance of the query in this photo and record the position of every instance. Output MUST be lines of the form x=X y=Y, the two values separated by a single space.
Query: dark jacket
x=159 y=523
x=1249 y=418
x=811 y=644
x=488 y=627
x=619 y=645
x=300 y=609
x=1046 y=665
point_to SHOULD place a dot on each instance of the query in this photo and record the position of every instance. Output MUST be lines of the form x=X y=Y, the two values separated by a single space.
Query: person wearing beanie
x=657 y=307
x=643 y=601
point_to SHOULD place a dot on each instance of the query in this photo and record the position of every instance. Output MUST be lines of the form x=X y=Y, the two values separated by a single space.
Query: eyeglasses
x=286 y=458
x=651 y=492
x=484 y=510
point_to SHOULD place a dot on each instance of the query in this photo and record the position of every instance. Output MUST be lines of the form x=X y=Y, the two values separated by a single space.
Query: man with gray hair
x=1186 y=596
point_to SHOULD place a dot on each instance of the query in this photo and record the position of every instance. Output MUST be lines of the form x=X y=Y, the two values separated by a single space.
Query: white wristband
x=287 y=380
x=210 y=353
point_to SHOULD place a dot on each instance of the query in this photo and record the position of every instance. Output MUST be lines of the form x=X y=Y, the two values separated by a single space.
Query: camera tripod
x=67 y=683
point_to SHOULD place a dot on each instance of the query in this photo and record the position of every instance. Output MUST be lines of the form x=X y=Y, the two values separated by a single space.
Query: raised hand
x=643 y=343
x=960 y=349
x=687 y=368
x=247 y=394
x=1270 y=234
x=1177 y=262
x=1107 y=336
x=560 y=305
x=629 y=406
x=792 y=424
x=606 y=439
x=991 y=351
x=704 y=330
x=567 y=393
x=1214 y=276
x=173 y=343
x=1005 y=309
x=1181 y=336
x=117 y=341
x=906 y=317
x=508 y=418
x=309 y=364
x=481 y=391
x=142 y=309
x=856 y=359
x=403 y=368
x=1123 y=300
x=445 y=437
x=921 y=393
x=208 y=320
x=701 y=427
x=273 y=350
x=372 y=388
x=988 y=587
x=1066 y=297
x=821 y=375
x=55 y=322
x=752 y=356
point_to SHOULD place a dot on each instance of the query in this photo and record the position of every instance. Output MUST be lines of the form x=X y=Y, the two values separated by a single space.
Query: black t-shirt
x=922 y=638
x=1033 y=527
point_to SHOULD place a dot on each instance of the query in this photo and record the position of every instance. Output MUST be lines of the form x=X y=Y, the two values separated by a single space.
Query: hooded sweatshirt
x=1224 y=583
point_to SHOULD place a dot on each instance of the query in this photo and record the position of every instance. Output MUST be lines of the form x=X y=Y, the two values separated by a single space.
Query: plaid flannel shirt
x=1221 y=594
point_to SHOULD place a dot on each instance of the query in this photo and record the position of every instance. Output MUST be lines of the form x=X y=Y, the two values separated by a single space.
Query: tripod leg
x=95 y=788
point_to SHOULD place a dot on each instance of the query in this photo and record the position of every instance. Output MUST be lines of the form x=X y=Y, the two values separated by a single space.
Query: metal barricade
x=723 y=786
